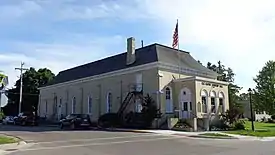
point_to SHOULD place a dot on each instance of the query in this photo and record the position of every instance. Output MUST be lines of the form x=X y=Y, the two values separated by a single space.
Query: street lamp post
x=251 y=110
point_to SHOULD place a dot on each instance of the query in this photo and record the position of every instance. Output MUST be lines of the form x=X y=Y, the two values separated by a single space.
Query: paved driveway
x=51 y=141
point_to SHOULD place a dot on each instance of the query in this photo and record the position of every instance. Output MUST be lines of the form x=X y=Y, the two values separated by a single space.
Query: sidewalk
x=6 y=148
x=196 y=134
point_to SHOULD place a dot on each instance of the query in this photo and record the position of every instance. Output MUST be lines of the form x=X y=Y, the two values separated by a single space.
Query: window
x=213 y=105
x=109 y=103
x=73 y=105
x=190 y=106
x=168 y=98
x=55 y=105
x=185 y=106
x=46 y=106
x=204 y=104
x=168 y=93
x=89 y=105
x=60 y=105
x=213 y=101
x=138 y=105
x=204 y=98
x=221 y=101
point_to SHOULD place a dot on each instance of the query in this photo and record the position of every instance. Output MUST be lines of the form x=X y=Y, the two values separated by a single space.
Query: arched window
x=221 y=101
x=55 y=105
x=73 y=105
x=46 y=107
x=204 y=98
x=59 y=109
x=168 y=100
x=90 y=102
x=109 y=102
x=213 y=101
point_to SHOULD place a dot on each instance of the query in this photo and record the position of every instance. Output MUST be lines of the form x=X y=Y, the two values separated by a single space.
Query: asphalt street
x=45 y=141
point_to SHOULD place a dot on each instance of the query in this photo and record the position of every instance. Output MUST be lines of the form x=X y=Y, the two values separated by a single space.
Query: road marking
x=95 y=144
x=94 y=139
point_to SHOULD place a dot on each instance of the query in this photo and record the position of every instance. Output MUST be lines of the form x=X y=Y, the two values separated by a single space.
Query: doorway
x=185 y=104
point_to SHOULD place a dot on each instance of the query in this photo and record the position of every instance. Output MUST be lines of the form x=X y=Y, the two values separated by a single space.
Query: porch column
x=206 y=124
x=217 y=105
x=195 y=124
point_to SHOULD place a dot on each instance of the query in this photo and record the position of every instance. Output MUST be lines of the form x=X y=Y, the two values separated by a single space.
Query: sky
x=62 y=34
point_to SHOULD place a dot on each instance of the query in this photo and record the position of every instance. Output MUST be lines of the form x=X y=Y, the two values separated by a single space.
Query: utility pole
x=21 y=84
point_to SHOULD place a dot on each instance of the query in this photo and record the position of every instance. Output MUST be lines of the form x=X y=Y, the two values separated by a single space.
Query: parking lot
x=50 y=140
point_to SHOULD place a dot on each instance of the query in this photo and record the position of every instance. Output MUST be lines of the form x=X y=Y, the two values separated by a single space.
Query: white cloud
x=11 y=11
x=239 y=33
x=56 y=57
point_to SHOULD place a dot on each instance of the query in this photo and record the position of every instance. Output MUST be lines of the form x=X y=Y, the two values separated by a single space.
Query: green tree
x=227 y=75
x=264 y=94
x=2 y=76
x=32 y=80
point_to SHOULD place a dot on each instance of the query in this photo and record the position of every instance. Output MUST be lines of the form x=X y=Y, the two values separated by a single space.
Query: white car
x=8 y=120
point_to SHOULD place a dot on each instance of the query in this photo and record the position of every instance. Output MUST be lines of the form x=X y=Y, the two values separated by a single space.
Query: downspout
x=121 y=92
x=82 y=96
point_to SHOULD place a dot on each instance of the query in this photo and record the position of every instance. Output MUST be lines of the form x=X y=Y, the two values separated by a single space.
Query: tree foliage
x=2 y=76
x=32 y=80
x=264 y=93
x=227 y=75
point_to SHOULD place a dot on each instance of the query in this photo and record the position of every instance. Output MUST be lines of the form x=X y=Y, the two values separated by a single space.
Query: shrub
x=238 y=125
x=269 y=120
x=219 y=125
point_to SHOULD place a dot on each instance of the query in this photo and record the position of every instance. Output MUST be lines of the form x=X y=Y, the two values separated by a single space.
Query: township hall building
x=179 y=85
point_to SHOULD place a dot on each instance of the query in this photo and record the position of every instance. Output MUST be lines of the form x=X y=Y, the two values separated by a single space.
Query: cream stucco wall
x=194 y=84
x=165 y=79
x=98 y=89
x=221 y=87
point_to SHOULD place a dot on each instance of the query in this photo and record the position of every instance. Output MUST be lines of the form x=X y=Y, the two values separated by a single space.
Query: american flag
x=175 y=37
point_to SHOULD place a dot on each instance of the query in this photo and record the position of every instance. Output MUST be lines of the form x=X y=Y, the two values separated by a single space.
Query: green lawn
x=261 y=129
x=6 y=140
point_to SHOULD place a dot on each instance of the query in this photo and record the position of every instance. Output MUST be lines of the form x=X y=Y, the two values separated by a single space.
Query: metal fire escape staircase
x=118 y=119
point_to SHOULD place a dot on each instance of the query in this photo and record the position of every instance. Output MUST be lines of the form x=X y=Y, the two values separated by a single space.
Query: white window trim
x=90 y=100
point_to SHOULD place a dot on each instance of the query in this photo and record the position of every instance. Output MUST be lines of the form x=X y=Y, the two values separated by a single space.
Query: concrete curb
x=127 y=130
x=212 y=137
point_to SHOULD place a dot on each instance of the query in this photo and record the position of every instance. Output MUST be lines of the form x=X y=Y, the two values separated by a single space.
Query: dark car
x=25 y=118
x=76 y=121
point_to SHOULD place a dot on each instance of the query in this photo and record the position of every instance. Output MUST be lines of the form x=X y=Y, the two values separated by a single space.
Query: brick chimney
x=131 y=55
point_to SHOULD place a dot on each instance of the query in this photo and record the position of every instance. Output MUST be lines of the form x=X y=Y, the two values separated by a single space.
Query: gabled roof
x=144 y=55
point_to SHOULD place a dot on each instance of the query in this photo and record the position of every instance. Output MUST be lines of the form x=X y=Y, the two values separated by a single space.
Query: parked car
x=8 y=120
x=76 y=121
x=25 y=118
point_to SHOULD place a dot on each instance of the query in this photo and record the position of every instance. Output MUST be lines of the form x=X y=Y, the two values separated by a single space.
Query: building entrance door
x=185 y=104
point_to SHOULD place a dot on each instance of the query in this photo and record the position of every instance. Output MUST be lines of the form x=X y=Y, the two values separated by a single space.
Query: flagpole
x=178 y=50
